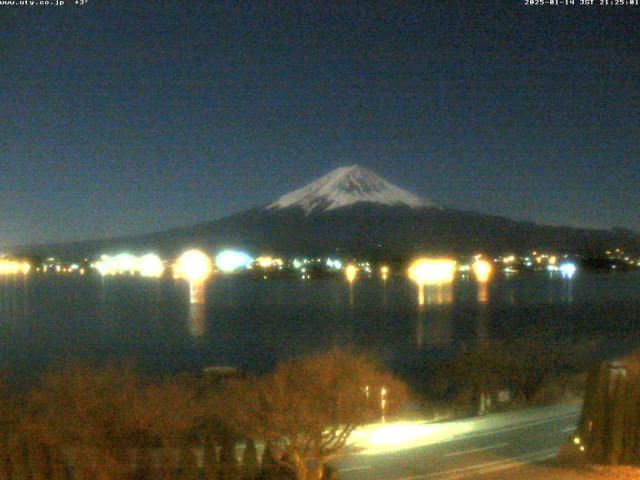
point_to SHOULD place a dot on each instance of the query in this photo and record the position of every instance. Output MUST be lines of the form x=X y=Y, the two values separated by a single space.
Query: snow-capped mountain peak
x=346 y=186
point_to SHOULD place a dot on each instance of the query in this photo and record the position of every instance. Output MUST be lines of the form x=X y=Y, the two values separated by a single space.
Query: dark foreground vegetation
x=79 y=423
x=499 y=375
x=109 y=423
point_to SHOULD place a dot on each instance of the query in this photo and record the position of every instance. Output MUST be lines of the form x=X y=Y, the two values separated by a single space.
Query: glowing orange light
x=193 y=265
x=384 y=272
x=425 y=271
x=431 y=271
x=13 y=267
x=265 y=262
x=482 y=270
x=351 y=272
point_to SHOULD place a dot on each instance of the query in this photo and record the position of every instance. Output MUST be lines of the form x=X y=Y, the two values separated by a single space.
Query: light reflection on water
x=433 y=327
x=253 y=323
x=197 y=319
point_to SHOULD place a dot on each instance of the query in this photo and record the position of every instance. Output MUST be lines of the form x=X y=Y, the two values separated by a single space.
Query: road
x=459 y=449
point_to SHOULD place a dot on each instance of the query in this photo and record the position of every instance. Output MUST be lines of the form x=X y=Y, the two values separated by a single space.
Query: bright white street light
x=231 y=260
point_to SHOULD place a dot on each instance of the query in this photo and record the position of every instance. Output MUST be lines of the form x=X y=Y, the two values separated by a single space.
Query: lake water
x=250 y=323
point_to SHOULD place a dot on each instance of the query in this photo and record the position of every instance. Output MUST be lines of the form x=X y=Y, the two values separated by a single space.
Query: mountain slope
x=354 y=211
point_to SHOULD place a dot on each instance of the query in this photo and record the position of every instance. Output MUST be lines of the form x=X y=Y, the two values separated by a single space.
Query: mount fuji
x=348 y=186
x=352 y=210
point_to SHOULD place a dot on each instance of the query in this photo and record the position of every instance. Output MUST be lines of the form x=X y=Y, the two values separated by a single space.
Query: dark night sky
x=131 y=116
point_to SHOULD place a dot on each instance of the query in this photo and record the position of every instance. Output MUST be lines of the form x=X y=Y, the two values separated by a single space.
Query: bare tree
x=106 y=421
x=308 y=407
x=522 y=365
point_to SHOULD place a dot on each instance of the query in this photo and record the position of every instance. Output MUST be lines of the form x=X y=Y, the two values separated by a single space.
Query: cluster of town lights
x=195 y=264
x=149 y=265
x=269 y=262
x=13 y=267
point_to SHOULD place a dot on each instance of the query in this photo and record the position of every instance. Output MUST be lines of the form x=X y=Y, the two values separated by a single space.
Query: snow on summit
x=346 y=186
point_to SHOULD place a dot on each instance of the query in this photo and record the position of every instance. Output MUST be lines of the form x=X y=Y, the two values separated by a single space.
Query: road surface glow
x=475 y=450
x=393 y=437
x=356 y=469
x=383 y=438
x=457 y=449
x=489 y=467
